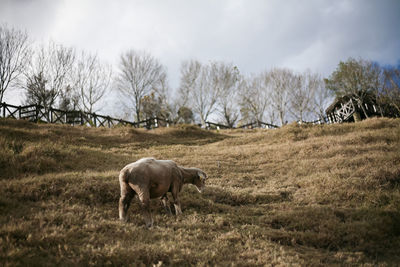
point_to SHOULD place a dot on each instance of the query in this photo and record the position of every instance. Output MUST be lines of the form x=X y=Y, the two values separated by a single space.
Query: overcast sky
x=254 y=35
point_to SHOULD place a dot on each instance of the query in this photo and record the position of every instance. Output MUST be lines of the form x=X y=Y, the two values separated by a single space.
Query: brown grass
x=299 y=195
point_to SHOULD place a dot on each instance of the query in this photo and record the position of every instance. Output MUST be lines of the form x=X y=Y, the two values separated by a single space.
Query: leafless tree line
x=14 y=52
x=272 y=96
x=59 y=75
x=54 y=75
x=51 y=74
x=217 y=91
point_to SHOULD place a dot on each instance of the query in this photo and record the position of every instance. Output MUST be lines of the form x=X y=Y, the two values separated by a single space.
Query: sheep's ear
x=202 y=175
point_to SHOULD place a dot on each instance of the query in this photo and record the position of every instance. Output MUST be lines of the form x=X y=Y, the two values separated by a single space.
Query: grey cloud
x=255 y=35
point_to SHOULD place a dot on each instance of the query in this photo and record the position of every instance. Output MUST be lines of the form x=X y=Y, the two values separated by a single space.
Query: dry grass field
x=299 y=195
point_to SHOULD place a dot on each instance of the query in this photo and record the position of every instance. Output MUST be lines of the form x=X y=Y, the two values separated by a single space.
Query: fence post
x=94 y=120
x=81 y=117
x=37 y=113
x=52 y=115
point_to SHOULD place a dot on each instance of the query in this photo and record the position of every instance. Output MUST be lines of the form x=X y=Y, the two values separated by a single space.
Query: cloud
x=36 y=17
x=254 y=35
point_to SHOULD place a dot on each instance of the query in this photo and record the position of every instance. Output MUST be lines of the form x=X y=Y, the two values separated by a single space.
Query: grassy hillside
x=327 y=194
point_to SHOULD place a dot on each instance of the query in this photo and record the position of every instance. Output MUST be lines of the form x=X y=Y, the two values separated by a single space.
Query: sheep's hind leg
x=124 y=202
x=145 y=203
x=166 y=204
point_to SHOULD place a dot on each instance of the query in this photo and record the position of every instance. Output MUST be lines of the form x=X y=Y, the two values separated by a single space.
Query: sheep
x=150 y=178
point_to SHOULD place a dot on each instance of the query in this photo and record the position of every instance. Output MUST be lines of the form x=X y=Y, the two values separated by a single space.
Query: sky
x=254 y=35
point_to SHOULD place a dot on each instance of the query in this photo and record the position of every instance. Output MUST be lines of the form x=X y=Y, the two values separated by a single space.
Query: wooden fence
x=37 y=113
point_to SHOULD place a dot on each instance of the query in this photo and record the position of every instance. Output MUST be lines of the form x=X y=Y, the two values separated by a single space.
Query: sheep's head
x=200 y=180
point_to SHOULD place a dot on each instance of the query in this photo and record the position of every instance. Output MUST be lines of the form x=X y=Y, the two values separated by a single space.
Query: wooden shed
x=348 y=109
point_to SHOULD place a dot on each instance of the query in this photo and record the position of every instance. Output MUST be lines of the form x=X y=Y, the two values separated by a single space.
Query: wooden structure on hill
x=348 y=109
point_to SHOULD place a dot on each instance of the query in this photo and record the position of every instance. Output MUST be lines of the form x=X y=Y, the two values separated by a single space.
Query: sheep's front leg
x=165 y=202
x=124 y=201
x=145 y=203
x=177 y=202
x=177 y=206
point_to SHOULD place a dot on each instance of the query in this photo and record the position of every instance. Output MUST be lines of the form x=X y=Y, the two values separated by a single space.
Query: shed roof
x=337 y=102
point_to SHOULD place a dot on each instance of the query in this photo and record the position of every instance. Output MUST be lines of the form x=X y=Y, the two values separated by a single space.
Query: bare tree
x=302 y=94
x=53 y=63
x=254 y=98
x=322 y=98
x=166 y=101
x=227 y=78
x=190 y=72
x=14 y=54
x=282 y=82
x=270 y=114
x=199 y=88
x=203 y=96
x=139 y=74
x=92 y=79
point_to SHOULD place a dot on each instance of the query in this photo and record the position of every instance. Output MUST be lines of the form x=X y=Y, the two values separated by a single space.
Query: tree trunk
x=137 y=115
x=281 y=118
x=380 y=110
x=203 y=123
x=365 y=112
x=356 y=116
x=393 y=104
x=301 y=116
x=361 y=104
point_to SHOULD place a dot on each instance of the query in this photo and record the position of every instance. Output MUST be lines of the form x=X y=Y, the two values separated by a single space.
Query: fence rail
x=319 y=121
x=259 y=124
